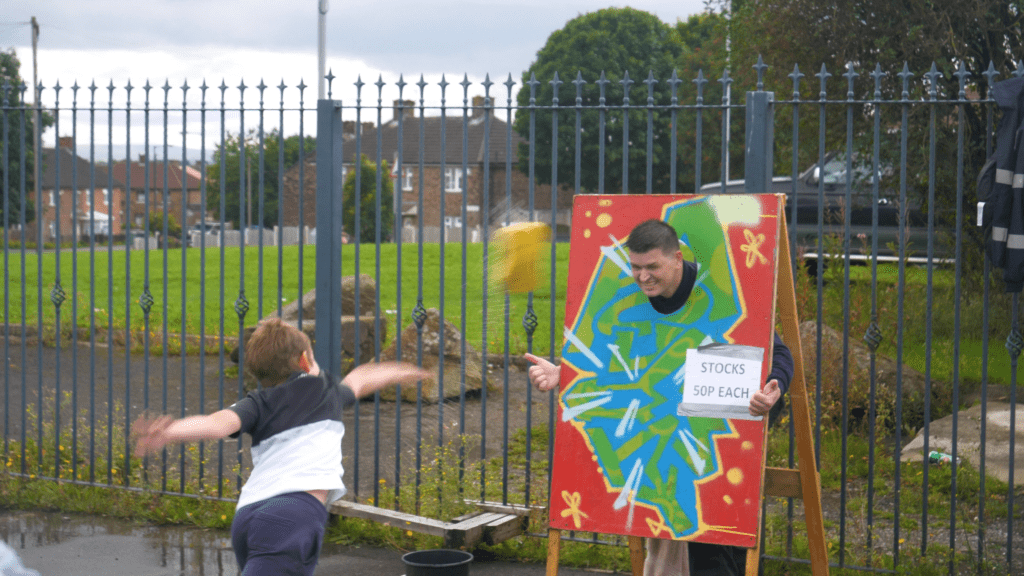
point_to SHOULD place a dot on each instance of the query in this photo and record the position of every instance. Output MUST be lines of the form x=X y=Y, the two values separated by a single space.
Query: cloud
x=174 y=42
x=410 y=36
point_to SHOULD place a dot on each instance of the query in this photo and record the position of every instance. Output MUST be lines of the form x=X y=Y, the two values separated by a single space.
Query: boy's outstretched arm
x=366 y=379
x=152 y=434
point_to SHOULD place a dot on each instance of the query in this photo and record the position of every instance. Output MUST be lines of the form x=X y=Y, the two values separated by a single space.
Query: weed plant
x=87 y=466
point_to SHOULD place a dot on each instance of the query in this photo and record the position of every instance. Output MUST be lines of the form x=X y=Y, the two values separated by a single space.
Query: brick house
x=181 y=183
x=71 y=199
x=449 y=181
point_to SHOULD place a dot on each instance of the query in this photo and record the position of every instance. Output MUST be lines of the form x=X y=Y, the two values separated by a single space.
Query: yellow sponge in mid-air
x=517 y=254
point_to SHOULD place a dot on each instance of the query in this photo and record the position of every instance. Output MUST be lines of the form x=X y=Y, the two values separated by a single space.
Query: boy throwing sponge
x=296 y=428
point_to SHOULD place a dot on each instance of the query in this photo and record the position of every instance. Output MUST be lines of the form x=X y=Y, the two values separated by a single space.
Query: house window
x=53 y=197
x=453 y=179
x=106 y=196
x=453 y=222
x=140 y=197
x=344 y=172
x=407 y=179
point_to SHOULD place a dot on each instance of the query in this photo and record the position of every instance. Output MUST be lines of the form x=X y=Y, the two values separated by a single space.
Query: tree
x=247 y=185
x=156 y=224
x=17 y=121
x=868 y=33
x=612 y=42
x=704 y=52
x=368 y=202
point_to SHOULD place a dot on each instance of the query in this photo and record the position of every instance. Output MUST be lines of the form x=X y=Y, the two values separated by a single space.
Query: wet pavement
x=58 y=544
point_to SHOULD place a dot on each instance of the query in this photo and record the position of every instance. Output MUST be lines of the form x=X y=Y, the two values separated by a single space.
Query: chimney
x=478 y=106
x=406 y=107
x=65 y=141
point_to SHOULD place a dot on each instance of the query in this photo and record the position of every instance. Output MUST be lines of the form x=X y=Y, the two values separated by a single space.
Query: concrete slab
x=996 y=424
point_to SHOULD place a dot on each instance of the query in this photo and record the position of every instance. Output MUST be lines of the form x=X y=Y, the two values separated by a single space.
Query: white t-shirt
x=296 y=431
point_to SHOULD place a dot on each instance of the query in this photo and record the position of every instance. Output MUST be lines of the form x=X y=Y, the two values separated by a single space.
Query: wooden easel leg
x=800 y=409
x=753 y=559
x=636 y=555
x=554 y=547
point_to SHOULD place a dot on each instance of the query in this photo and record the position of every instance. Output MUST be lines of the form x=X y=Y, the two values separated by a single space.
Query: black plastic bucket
x=437 y=563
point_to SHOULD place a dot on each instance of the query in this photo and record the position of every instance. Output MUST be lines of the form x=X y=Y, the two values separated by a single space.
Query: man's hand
x=543 y=374
x=762 y=401
x=366 y=379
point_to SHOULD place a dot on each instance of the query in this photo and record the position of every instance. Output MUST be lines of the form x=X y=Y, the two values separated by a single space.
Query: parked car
x=832 y=180
x=207 y=227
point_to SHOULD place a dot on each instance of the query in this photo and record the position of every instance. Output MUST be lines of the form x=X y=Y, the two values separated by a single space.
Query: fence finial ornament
x=760 y=67
x=796 y=75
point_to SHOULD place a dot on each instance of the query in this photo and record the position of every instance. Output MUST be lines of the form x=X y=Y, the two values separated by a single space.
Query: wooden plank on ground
x=505 y=527
x=517 y=509
x=390 y=517
x=468 y=533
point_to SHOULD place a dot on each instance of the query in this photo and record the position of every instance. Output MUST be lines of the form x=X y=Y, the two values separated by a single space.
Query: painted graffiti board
x=647 y=442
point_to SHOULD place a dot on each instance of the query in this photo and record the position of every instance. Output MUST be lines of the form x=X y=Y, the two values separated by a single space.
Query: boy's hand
x=366 y=379
x=150 y=435
x=763 y=400
x=543 y=374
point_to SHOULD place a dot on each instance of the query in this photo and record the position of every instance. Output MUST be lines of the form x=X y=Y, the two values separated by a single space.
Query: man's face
x=658 y=273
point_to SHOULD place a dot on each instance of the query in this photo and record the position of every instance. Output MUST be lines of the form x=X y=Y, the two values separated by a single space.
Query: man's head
x=276 y=350
x=655 y=258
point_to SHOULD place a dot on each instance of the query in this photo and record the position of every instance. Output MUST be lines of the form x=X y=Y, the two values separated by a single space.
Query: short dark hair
x=272 y=352
x=651 y=234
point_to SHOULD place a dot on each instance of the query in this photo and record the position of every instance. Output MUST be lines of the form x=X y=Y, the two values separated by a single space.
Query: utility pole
x=322 y=53
x=35 y=102
x=727 y=137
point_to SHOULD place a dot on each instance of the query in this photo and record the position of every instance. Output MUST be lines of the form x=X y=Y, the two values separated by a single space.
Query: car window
x=835 y=172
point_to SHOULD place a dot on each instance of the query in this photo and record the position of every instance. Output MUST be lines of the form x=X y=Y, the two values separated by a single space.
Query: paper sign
x=720 y=380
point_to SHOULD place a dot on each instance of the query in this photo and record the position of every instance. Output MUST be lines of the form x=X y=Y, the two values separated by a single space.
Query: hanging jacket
x=1004 y=203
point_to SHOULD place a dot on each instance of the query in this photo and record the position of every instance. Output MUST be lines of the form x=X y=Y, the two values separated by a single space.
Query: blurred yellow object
x=518 y=247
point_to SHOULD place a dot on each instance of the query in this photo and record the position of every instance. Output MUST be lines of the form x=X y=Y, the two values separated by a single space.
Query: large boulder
x=350 y=338
x=859 y=392
x=305 y=308
x=367 y=295
x=451 y=381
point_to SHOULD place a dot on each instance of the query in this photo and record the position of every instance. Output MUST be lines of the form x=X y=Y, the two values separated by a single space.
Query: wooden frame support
x=810 y=482
x=803 y=482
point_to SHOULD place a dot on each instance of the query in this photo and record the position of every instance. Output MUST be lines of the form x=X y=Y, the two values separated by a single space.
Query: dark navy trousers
x=279 y=536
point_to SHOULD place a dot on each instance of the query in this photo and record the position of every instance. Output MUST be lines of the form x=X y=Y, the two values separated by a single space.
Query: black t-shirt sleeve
x=782 y=364
x=348 y=397
x=248 y=412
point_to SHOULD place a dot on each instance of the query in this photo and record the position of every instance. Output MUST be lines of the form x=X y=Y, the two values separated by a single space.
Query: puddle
x=55 y=543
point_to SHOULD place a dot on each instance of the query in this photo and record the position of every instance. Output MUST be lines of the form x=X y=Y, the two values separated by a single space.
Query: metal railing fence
x=93 y=336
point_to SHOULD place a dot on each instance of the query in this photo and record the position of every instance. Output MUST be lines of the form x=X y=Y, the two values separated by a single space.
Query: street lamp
x=244 y=144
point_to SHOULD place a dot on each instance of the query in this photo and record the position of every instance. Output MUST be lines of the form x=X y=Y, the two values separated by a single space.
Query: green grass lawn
x=201 y=289
x=212 y=286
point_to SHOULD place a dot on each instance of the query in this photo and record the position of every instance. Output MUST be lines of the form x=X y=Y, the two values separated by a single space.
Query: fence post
x=760 y=140
x=327 y=347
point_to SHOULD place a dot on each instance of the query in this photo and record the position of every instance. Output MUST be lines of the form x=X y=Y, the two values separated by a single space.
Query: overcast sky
x=276 y=40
